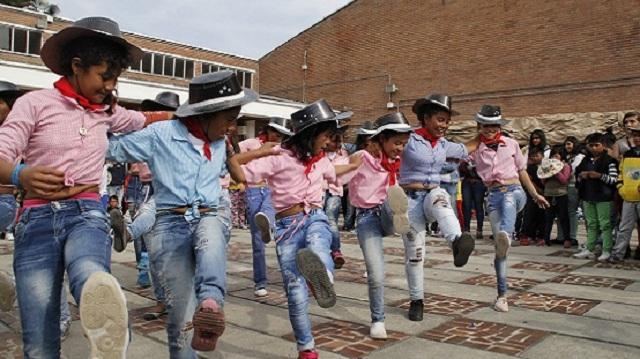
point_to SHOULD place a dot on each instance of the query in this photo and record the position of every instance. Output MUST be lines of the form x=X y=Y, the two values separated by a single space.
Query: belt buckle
x=503 y=189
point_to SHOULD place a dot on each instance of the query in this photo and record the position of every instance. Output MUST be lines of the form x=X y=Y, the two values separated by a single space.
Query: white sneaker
x=364 y=274
x=502 y=244
x=265 y=227
x=378 y=331
x=9 y=236
x=399 y=205
x=604 y=256
x=104 y=317
x=501 y=305
x=584 y=254
x=261 y=293
x=7 y=291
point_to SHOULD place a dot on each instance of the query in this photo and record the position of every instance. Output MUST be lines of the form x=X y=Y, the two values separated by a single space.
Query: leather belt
x=7 y=190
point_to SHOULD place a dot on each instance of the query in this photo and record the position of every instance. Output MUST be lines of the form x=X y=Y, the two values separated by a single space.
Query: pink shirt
x=287 y=181
x=249 y=145
x=143 y=171
x=44 y=127
x=341 y=157
x=368 y=187
x=500 y=166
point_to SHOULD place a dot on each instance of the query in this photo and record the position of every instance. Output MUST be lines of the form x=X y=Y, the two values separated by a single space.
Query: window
x=244 y=77
x=179 y=70
x=166 y=65
x=147 y=62
x=157 y=63
x=20 y=40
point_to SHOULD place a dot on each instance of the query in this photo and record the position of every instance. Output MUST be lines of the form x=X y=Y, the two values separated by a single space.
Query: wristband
x=15 y=175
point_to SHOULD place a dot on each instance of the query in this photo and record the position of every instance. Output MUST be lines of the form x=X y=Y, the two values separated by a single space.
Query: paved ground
x=560 y=308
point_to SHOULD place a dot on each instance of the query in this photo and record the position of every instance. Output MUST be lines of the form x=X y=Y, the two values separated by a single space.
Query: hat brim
x=280 y=129
x=397 y=127
x=424 y=102
x=52 y=48
x=548 y=174
x=217 y=104
x=342 y=116
x=151 y=105
x=10 y=93
x=485 y=121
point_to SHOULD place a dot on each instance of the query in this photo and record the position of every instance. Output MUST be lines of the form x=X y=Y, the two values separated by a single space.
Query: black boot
x=416 y=308
x=462 y=248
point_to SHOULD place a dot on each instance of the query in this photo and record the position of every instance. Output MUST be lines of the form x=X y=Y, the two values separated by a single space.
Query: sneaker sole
x=315 y=272
x=104 y=317
x=465 y=248
x=118 y=227
x=399 y=204
x=262 y=222
x=502 y=245
x=7 y=292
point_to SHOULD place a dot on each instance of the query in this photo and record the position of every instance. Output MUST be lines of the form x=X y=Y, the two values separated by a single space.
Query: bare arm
x=472 y=145
x=526 y=182
x=236 y=172
x=355 y=161
x=38 y=181
x=246 y=157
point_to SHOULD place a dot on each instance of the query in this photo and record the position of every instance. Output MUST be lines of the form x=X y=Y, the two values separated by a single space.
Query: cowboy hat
x=9 y=90
x=490 y=115
x=164 y=101
x=438 y=100
x=316 y=113
x=549 y=168
x=215 y=92
x=365 y=129
x=281 y=125
x=87 y=27
x=392 y=121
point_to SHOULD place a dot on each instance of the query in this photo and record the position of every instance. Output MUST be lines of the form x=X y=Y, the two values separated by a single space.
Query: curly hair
x=425 y=111
x=94 y=51
x=301 y=144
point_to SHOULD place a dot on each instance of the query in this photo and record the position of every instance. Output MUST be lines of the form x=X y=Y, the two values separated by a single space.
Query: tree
x=16 y=3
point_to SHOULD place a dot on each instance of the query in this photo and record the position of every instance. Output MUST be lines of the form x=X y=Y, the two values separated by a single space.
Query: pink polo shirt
x=143 y=171
x=44 y=127
x=250 y=144
x=499 y=166
x=368 y=187
x=340 y=157
x=287 y=181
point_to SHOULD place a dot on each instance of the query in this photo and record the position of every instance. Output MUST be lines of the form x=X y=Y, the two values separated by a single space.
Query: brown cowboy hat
x=87 y=27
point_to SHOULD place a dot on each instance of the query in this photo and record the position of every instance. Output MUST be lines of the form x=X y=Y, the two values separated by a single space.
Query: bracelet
x=15 y=175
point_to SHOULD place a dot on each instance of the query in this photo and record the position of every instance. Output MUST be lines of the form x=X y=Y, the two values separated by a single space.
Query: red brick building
x=564 y=65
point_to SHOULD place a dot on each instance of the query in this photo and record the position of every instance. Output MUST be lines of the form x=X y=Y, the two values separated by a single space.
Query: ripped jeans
x=299 y=231
x=503 y=204
x=189 y=259
x=426 y=207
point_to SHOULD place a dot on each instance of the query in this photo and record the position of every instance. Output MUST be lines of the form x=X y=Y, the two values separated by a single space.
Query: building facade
x=567 y=66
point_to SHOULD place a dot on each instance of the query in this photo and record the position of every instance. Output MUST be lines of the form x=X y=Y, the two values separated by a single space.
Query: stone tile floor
x=259 y=327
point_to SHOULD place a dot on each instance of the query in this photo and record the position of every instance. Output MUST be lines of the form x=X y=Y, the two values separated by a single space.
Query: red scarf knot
x=494 y=142
x=392 y=167
x=311 y=161
x=428 y=136
x=66 y=89
x=262 y=138
x=195 y=128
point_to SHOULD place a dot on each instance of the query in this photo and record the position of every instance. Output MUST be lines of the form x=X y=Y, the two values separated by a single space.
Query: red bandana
x=391 y=167
x=311 y=161
x=66 y=89
x=428 y=136
x=195 y=128
x=496 y=140
x=262 y=138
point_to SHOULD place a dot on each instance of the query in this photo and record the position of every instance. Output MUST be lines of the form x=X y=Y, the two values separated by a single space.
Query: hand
x=541 y=201
x=585 y=174
x=594 y=175
x=241 y=187
x=41 y=181
x=355 y=160
x=267 y=148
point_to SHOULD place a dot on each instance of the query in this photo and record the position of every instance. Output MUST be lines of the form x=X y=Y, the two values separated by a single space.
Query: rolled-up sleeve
x=518 y=158
x=16 y=131
x=456 y=150
x=133 y=147
x=125 y=121
x=261 y=169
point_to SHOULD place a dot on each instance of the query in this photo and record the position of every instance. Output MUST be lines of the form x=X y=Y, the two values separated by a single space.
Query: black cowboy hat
x=281 y=125
x=442 y=101
x=316 y=113
x=365 y=129
x=392 y=121
x=9 y=90
x=87 y=27
x=214 y=92
x=164 y=101
x=490 y=115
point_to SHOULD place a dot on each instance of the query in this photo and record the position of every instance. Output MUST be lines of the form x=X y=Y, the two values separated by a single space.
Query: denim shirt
x=422 y=163
x=182 y=176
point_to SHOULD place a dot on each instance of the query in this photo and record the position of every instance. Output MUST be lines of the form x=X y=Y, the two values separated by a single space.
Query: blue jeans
x=332 y=207
x=473 y=198
x=259 y=200
x=302 y=231
x=503 y=204
x=71 y=235
x=372 y=225
x=224 y=212
x=189 y=259
x=7 y=211
x=426 y=207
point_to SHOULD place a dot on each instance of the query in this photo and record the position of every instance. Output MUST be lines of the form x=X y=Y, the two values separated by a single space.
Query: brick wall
x=530 y=56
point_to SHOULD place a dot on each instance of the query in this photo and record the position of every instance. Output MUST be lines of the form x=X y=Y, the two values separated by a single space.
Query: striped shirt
x=47 y=128
x=422 y=163
x=182 y=176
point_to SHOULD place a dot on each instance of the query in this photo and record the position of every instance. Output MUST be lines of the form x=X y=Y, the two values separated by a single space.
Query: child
x=473 y=191
x=260 y=212
x=188 y=246
x=61 y=134
x=333 y=196
x=368 y=192
x=573 y=157
x=533 y=217
x=629 y=189
x=423 y=158
x=596 y=179
x=304 y=237
x=501 y=166
x=555 y=175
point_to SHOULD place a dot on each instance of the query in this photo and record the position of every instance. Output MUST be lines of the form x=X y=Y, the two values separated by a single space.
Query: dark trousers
x=473 y=198
x=533 y=220
x=559 y=208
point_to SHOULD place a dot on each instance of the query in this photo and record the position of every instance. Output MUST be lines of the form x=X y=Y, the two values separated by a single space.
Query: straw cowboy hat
x=549 y=168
